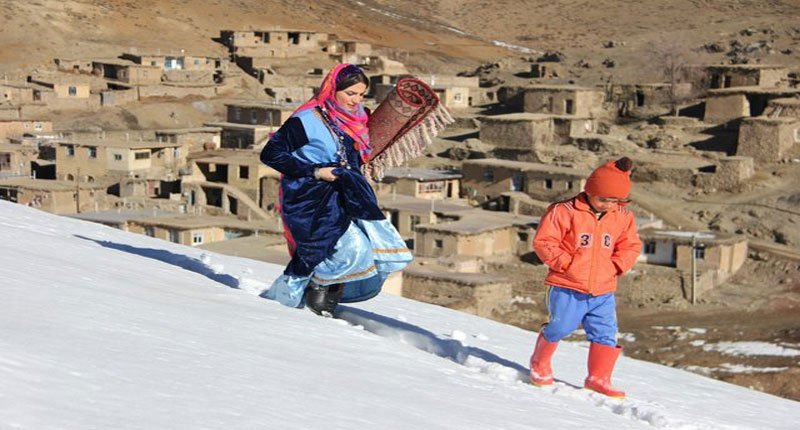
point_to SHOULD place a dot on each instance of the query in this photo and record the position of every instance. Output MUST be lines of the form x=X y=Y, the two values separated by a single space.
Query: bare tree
x=680 y=69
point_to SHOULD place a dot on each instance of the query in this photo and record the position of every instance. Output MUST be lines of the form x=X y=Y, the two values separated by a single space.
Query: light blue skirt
x=363 y=258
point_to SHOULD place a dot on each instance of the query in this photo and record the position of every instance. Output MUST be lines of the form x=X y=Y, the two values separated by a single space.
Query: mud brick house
x=645 y=100
x=406 y=212
x=118 y=158
x=74 y=65
x=421 y=183
x=54 y=196
x=564 y=100
x=746 y=75
x=717 y=256
x=276 y=43
x=197 y=138
x=127 y=72
x=18 y=128
x=476 y=293
x=547 y=70
x=767 y=139
x=16 y=93
x=234 y=180
x=724 y=105
x=16 y=160
x=489 y=179
x=483 y=234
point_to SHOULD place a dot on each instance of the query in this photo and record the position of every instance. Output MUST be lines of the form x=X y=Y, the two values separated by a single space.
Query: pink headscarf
x=354 y=124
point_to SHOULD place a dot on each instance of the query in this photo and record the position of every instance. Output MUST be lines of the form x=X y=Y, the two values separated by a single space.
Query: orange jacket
x=584 y=253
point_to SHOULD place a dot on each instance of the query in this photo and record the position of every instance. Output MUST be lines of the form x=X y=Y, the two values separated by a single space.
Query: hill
x=100 y=328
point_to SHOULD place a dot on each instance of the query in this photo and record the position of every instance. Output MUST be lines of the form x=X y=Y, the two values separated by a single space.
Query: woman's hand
x=325 y=174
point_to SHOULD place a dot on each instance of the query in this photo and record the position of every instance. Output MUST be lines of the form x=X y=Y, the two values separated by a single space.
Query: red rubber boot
x=602 y=359
x=541 y=372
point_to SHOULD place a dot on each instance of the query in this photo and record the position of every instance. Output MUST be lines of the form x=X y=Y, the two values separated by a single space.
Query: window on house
x=430 y=187
x=37 y=126
x=253 y=116
x=548 y=184
x=413 y=221
x=176 y=152
x=488 y=175
x=569 y=106
x=150 y=231
x=457 y=97
x=142 y=155
x=518 y=182
x=153 y=63
x=197 y=238
x=237 y=113
x=438 y=243
x=244 y=172
x=174 y=236
x=569 y=185
x=73 y=91
x=522 y=236
x=70 y=150
x=700 y=253
x=650 y=248
x=92 y=150
x=117 y=157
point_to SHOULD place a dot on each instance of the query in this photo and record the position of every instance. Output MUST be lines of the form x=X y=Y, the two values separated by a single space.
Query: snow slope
x=104 y=329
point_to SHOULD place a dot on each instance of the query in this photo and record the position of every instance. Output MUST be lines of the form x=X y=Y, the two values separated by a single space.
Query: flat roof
x=565 y=87
x=130 y=144
x=413 y=204
x=266 y=104
x=224 y=124
x=186 y=221
x=481 y=221
x=460 y=278
x=188 y=130
x=527 y=166
x=684 y=237
x=745 y=66
x=790 y=101
x=120 y=216
x=269 y=247
x=421 y=174
x=754 y=90
x=780 y=119
x=49 y=184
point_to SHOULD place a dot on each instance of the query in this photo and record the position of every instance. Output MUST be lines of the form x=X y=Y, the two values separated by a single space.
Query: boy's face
x=604 y=204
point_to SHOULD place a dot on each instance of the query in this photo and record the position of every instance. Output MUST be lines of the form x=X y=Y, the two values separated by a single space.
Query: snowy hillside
x=101 y=329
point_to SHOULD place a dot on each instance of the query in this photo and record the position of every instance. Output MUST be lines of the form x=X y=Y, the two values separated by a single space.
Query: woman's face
x=351 y=96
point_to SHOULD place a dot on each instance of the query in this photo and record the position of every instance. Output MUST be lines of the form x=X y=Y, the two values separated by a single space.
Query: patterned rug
x=403 y=125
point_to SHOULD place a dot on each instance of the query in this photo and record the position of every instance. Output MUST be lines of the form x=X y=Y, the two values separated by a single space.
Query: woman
x=342 y=246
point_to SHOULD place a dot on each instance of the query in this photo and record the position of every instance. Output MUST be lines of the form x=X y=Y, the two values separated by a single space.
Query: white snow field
x=103 y=329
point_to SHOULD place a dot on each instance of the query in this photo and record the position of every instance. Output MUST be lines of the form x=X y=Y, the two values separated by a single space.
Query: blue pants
x=569 y=308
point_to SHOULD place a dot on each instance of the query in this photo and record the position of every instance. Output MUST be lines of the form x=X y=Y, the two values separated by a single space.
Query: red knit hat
x=612 y=179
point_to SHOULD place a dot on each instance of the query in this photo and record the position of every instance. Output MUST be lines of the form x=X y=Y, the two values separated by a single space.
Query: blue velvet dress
x=341 y=235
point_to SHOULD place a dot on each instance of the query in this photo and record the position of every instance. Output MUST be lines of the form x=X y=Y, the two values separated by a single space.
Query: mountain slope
x=100 y=328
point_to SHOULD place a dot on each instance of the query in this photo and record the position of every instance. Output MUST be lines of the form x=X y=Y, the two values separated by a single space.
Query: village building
x=523 y=136
x=18 y=128
x=406 y=212
x=276 y=43
x=16 y=160
x=9 y=111
x=290 y=94
x=565 y=100
x=54 y=196
x=92 y=159
x=64 y=91
x=486 y=180
x=421 y=183
x=235 y=181
x=249 y=124
x=547 y=70
x=717 y=256
x=648 y=100
x=184 y=229
x=476 y=293
x=483 y=234
x=768 y=139
x=74 y=65
x=724 y=105
x=178 y=62
x=783 y=108
x=746 y=75
x=16 y=93
x=196 y=139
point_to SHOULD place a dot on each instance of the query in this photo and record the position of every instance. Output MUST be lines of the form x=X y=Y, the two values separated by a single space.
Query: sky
x=101 y=328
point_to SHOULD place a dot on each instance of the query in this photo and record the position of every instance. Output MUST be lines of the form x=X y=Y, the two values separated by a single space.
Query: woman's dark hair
x=349 y=76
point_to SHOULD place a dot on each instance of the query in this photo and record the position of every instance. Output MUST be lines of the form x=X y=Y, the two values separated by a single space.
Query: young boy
x=587 y=241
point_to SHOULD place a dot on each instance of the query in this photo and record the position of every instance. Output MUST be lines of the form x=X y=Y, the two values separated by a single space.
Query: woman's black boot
x=321 y=299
